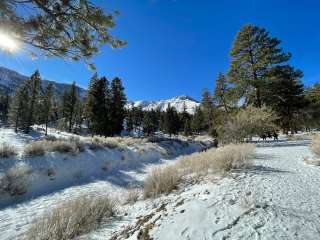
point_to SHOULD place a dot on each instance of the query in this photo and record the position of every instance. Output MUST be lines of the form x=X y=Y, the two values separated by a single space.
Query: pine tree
x=254 y=53
x=4 y=108
x=207 y=109
x=19 y=107
x=69 y=103
x=197 y=124
x=46 y=105
x=129 y=119
x=117 y=106
x=23 y=109
x=185 y=121
x=311 y=112
x=222 y=96
x=171 y=121
x=187 y=128
x=97 y=106
x=148 y=124
x=33 y=85
x=286 y=95
x=73 y=30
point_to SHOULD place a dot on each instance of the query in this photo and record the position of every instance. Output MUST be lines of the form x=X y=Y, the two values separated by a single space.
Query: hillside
x=10 y=80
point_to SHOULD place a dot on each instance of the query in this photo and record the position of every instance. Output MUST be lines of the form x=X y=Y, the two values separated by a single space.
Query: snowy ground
x=107 y=171
x=278 y=198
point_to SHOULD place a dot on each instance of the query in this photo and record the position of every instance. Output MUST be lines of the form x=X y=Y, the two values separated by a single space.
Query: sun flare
x=7 y=43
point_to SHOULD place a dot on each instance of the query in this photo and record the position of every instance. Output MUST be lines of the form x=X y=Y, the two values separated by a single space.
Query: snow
x=177 y=102
x=277 y=198
x=91 y=172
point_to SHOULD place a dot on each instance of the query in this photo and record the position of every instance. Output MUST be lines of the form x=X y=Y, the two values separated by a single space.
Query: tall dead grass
x=7 y=150
x=72 y=219
x=221 y=160
x=161 y=180
x=39 y=148
x=315 y=145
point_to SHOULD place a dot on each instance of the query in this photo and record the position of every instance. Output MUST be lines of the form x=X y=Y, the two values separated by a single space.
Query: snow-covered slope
x=176 y=102
x=10 y=80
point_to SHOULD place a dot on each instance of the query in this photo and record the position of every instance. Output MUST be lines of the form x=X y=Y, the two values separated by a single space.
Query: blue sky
x=177 y=47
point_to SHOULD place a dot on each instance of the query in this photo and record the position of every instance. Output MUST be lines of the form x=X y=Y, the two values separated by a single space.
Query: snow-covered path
x=278 y=198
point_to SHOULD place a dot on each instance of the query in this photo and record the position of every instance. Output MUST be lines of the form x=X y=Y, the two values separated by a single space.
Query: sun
x=7 y=43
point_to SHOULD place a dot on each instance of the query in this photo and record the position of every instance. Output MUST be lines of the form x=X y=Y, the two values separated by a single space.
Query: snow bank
x=55 y=171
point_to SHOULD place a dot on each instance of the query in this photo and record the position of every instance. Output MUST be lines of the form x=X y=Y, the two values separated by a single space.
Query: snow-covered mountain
x=10 y=80
x=176 y=102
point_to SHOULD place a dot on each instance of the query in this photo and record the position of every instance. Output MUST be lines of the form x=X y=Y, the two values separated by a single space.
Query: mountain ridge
x=11 y=79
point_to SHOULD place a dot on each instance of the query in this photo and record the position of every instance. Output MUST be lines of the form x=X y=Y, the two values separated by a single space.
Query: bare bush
x=15 y=180
x=72 y=219
x=161 y=180
x=315 y=145
x=132 y=196
x=247 y=123
x=7 y=150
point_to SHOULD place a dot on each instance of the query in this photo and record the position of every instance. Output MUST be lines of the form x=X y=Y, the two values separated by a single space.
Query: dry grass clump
x=132 y=196
x=7 y=150
x=72 y=219
x=233 y=157
x=102 y=142
x=315 y=162
x=315 y=145
x=39 y=148
x=161 y=180
x=299 y=137
x=221 y=160
x=15 y=180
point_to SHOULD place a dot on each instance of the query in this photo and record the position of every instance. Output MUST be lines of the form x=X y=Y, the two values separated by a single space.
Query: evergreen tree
x=96 y=106
x=19 y=107
x=117 y=105
x=4 y=108
x=171 y=121
x=46 y=105
x=187 y=128
x=311 y=112
x=25 y=102
x=33 y=85
x=286 y=96
x=222 y=94
x=185 y=121
x=207 y=109
x=130 y=119
x=198 y=122
x=70 y=29
x=150 y=123
x=254 y=53
x=69 y=103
